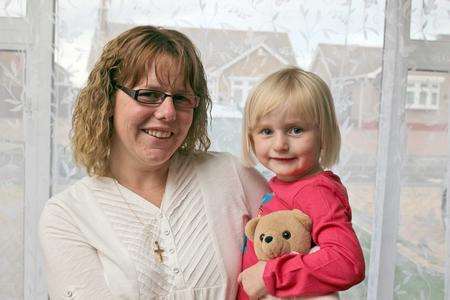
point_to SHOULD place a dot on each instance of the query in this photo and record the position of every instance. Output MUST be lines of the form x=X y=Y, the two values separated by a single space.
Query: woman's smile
x=158 y=133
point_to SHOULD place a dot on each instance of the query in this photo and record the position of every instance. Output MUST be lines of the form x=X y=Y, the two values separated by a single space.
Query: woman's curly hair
x=126 y=60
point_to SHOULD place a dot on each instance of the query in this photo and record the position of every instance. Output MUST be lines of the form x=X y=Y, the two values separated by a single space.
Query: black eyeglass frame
x=135 y=95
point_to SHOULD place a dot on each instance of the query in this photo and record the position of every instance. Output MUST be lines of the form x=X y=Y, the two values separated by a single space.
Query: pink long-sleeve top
x=338 y=265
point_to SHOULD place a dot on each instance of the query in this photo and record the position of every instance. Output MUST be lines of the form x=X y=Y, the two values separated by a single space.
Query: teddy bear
x=282 y=232
x=279 y=232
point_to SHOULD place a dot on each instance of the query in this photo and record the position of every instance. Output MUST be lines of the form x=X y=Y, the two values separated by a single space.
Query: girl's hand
x=252 y=280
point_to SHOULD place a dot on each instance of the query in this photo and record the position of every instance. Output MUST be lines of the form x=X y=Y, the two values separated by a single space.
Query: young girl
x=290 y=127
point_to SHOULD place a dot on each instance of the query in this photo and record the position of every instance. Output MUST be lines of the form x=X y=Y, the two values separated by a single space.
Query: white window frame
x=430 y=85
x=34 y=34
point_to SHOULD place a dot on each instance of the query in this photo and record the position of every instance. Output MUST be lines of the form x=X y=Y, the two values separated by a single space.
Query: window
x=240 y=88
x=430 y=20
x=241 y=42
x=12 y=138
x=13 y=9
x=423 y=92
x=420 y=248
x=25 y=99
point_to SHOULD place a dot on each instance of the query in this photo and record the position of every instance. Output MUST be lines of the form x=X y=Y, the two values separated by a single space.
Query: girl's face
x=287 y=145
x=144 y=136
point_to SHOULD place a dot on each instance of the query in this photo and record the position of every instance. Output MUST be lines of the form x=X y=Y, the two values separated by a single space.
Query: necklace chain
x=128 y=204
x=157 y=250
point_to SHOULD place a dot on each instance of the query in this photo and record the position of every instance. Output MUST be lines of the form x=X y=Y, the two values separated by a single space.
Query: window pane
x=426 y=96
x=12 y=82
x=357 y=105
x=430 y=20
x=421 y=241
x=13 y=8
x=237 y=95
x=434 y=99
x=64 y=170
x=250 y=39
x=423 y=98
x=410 y=98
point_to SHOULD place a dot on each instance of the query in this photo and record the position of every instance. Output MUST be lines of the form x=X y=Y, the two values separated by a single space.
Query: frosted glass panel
x=12 y=82
x=13 y=8
x=421 y=239
x=430 y=20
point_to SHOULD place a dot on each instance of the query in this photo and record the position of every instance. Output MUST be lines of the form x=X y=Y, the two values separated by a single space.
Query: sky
x=308 y=22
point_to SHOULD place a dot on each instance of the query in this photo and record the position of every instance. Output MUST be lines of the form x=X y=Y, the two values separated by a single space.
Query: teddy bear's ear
x=303 y=218
x=250 y=228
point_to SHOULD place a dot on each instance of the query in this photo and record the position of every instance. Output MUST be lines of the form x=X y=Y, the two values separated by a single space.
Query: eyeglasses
x=155 y=98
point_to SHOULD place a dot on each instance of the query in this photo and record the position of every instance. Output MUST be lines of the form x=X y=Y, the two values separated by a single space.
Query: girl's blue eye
x=265 y=131
x=295 y=130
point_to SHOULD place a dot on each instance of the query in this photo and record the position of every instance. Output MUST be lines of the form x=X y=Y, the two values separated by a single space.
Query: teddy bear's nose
x=268 y=239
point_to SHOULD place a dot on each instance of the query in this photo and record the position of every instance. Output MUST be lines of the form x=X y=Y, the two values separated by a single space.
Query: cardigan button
x=176 y=270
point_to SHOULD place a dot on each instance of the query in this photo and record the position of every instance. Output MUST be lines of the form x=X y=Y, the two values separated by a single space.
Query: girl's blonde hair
x=126 y=60
x=302 y=91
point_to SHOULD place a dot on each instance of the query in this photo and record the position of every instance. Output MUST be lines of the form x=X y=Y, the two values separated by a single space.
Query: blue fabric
x=266 y=198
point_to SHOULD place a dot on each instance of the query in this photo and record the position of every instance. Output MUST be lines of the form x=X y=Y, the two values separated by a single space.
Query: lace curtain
x=241 y=42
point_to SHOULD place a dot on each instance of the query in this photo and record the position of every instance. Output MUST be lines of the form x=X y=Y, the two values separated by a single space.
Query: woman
x=158 y=216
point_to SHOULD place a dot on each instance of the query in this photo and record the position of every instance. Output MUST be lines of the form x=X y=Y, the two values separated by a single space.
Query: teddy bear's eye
x=261 y=237
x=286 y=235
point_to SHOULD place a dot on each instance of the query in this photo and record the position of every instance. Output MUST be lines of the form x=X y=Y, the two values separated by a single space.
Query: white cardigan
x=95 y=248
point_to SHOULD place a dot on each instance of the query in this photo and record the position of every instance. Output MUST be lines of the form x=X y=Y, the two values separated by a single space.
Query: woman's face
x=144 y=136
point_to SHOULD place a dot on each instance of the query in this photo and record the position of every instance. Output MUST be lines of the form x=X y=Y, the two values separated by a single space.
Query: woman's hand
x=252 y=280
